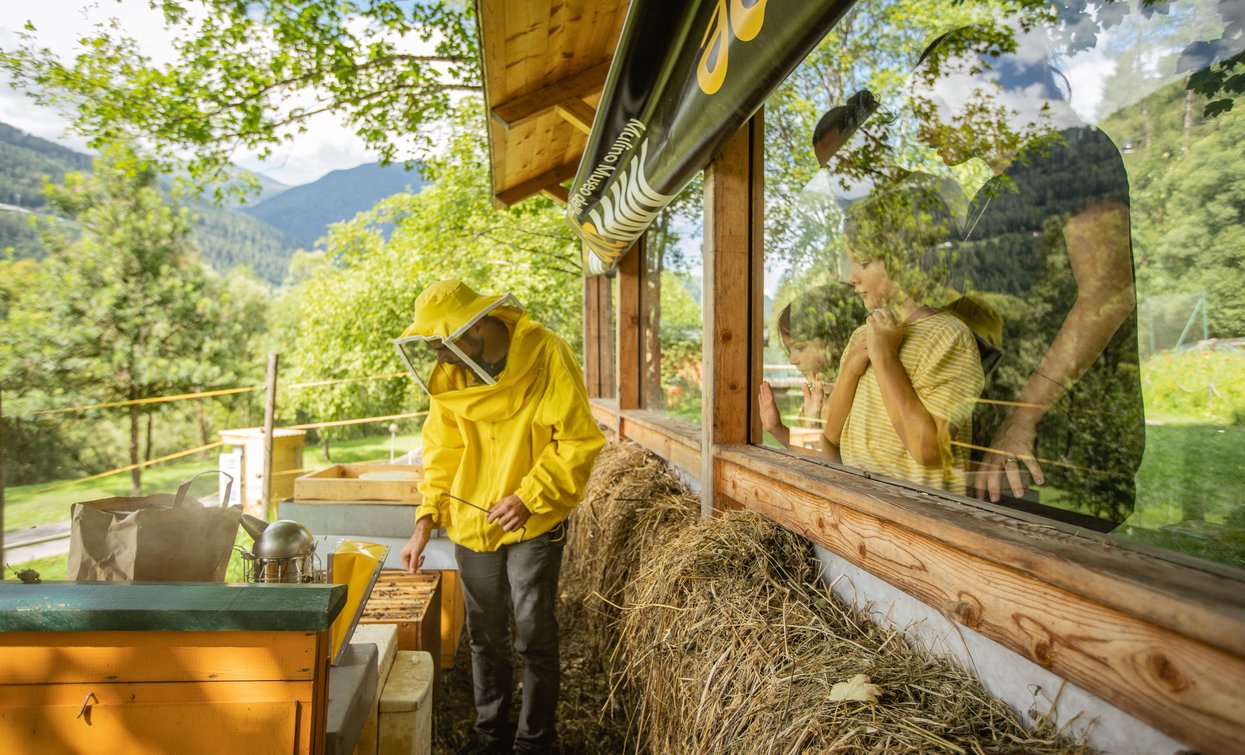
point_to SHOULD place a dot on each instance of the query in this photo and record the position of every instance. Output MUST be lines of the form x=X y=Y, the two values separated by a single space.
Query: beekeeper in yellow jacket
x=507 y=449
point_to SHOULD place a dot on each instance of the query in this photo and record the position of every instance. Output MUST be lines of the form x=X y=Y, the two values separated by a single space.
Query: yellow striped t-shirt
x=940 y=357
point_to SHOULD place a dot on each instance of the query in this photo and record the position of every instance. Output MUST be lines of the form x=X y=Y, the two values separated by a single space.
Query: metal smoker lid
x=284 y=538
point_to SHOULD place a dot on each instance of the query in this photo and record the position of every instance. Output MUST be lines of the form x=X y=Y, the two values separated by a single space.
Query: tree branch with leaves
x=250 y=76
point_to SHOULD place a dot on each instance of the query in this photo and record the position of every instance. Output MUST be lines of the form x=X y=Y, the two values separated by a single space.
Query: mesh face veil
x=454 y=361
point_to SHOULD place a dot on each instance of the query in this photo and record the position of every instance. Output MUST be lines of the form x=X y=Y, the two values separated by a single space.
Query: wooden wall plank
x=605 y=412
x=591 y=357
x=678 y=444
x=1196 y=598
x=1180 y=685
x=606 y=344
x=756 y=274
x=599 y=336
x=630 y=363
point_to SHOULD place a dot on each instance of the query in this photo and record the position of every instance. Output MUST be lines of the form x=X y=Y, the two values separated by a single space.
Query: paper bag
x=155 y=538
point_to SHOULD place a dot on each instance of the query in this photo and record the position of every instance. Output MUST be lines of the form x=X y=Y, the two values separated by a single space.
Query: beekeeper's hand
x=413 y=551
x=510 y=513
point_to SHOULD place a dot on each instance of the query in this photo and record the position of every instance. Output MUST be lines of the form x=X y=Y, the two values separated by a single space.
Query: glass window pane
x=1009 y=263
x=670 y=302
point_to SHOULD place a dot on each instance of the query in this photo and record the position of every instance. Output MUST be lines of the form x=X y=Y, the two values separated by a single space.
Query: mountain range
x=263 y=234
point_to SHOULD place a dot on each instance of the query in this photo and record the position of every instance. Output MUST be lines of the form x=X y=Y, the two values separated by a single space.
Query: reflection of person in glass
x=909 y=376
x=816 y=324
x=813 y=329
x=1051 y=227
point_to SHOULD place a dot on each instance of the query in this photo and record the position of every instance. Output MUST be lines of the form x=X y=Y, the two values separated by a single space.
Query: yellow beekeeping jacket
x=532 y=434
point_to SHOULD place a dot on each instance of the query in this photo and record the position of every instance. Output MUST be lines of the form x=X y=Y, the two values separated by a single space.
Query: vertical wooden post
x=599 y=336
x=592 y=359
x=630 y=357
x=756 y=277
x=270 y=412
x=607 y=335
x=733 y=203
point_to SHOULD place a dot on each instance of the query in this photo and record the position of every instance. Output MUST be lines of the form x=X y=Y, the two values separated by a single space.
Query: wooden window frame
x=1157 y=634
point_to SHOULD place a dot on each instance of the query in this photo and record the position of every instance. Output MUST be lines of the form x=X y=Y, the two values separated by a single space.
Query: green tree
x=129 y=311
x=349 y=313
x=251 y=74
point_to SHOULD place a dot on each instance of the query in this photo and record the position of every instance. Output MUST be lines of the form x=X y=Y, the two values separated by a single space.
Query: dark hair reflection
x=1047 y=236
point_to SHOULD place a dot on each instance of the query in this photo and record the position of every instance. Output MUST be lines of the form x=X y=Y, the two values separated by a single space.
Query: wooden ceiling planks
x=545 y=62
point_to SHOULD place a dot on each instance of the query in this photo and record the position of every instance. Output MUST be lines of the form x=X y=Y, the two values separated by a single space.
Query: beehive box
x=347 y=482
x=412 y=602
x=453 y=612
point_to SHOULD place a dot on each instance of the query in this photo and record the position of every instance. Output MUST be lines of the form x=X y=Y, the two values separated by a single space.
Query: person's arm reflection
x=855 y=362
x=1101 y=262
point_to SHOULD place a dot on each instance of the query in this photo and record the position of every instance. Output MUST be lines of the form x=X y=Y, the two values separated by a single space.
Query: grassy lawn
x=25 y=506
x=1189 y=495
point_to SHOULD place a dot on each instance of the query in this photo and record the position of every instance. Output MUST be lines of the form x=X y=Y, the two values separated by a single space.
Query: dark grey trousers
x=525 y=576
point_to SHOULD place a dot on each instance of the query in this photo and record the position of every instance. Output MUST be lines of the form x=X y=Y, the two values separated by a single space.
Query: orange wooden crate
x=453 y=613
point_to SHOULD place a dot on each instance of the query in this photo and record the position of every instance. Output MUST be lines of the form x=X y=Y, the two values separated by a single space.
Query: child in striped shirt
x=909 y=377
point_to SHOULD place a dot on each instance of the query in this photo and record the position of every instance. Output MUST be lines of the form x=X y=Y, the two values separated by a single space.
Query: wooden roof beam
x=578 y=113
x=558 y=193
x=537 y=184
x=534 y=104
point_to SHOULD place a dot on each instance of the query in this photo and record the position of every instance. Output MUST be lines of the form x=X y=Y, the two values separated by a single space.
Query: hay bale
x=731 y=643
x=634 y=501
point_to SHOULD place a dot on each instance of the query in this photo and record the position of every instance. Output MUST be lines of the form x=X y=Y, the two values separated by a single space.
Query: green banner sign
x=685 y=77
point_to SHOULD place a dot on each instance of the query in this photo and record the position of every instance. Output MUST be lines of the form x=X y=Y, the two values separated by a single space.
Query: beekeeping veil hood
x=438 y=349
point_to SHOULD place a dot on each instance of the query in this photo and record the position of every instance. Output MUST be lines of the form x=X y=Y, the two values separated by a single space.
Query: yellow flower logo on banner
x=735 y=19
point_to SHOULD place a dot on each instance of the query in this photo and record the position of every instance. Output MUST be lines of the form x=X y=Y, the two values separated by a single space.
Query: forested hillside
x=1188 y=195
x=226 y=237
x=24 y=162
x=305 y=212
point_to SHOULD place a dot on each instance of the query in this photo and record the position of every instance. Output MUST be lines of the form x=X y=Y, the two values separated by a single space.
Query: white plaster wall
x=1015 y=680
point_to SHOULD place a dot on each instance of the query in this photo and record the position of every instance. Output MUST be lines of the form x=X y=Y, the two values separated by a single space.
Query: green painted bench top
x=100 y=606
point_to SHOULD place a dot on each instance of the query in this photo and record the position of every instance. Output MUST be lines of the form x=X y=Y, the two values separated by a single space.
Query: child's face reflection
x=870 y=281
x=809 y=357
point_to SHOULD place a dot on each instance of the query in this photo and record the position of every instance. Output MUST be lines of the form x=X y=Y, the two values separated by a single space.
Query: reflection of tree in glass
x=671 y=309
x=1051 y=228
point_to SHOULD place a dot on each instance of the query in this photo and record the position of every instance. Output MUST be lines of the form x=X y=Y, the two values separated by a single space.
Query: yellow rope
x=1044 y=462
x=152 y=400
x=208 y=394
x=209 y=446
x=177 y=455
x=339 y=423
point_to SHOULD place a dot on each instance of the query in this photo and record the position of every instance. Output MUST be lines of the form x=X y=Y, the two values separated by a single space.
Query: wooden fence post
x=270 y=411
